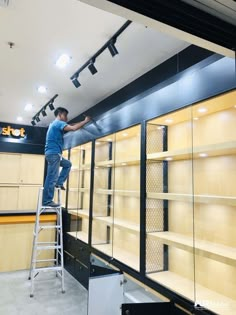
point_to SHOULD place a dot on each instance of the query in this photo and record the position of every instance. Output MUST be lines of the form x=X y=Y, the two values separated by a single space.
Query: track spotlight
x=92 y=68
x=51 y=106
x=112 y=49
x=90 y=63
x=76 y=82
x=42 y=110
x=44 y=113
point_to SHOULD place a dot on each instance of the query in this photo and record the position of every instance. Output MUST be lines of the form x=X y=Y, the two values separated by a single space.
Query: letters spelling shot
x=8 y=131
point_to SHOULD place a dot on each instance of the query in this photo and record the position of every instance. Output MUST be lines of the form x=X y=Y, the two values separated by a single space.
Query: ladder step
x=45 y=243
x=45 y=227
x=49 y=247
x=57 y=268
x=43 y=260
x=49 y=209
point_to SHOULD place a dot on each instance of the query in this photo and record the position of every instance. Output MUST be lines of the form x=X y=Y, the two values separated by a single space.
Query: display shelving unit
x=190 y=223
x=116 y=206
x=79 y=191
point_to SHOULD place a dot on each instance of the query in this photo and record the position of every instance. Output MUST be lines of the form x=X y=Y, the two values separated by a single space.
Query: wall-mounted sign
x=12 y=132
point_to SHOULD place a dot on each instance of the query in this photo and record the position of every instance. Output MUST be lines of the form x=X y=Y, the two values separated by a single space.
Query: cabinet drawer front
x=77 y=249
x=69 y=263
x=81 y=273
x=82 y=253
x=70 y=244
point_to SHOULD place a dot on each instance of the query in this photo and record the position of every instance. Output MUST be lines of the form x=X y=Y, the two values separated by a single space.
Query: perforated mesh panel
x=154 y=215
x=154 y=207
x=154 y=255
x=154 y=177
x=154 y=138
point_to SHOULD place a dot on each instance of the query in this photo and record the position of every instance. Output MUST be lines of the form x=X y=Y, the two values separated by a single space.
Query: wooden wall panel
x=9 y=168
x=16 y=245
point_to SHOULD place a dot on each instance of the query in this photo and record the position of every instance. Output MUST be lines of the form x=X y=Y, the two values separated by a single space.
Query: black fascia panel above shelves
x=187 y=18
x=158 y=92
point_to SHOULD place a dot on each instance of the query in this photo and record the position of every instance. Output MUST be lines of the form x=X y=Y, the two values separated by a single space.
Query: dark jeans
x=53 y=178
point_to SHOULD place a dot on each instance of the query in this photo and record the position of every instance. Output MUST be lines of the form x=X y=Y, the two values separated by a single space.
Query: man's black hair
x=60 y=110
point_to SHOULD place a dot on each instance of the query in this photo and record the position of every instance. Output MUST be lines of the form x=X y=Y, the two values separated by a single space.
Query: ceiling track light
x=92 y=68
x=76 y=82
x=112 y=49
x=42 y=111
x=51 y=106
x=110 y=45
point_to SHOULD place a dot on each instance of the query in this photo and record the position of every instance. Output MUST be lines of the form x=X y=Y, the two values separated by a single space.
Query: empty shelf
x=213 y=199
x=213 y=300
x=222 y=253
x=216 y=149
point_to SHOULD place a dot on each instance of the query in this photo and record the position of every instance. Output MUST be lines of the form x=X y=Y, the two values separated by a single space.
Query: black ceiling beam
x=187 y=18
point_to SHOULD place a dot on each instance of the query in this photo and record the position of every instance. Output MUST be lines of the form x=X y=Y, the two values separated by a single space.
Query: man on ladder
x=53 y=152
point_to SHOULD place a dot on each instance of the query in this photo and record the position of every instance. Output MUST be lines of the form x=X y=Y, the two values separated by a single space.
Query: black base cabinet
x=76 y=259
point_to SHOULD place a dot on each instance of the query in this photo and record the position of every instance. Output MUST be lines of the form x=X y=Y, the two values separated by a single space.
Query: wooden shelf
x=108 y=163
x=79 y=189
x=128 y=193
x=112 y=163
x=119 y=223
x=79 y=235
x=120 y=254
x=212 y=199
x=103 y=191
x=80 y=213
x=82 y=167
x=84 y=189
x=216 y=149
x=217 y=302
x=85 y=167
x=221 y=253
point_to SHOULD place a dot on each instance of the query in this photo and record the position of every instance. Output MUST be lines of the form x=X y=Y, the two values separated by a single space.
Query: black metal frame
x=165 y=202
x=143 y=155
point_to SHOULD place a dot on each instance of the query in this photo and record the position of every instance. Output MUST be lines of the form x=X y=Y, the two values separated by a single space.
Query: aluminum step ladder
x=56 y=263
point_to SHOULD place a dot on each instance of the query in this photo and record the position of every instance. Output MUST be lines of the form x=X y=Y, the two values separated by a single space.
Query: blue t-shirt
x=54 y=137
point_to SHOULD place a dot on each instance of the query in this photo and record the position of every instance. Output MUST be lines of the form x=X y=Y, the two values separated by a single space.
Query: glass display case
x=65 y=155
x=190 y=205
x=79 y=191
x=116 y=205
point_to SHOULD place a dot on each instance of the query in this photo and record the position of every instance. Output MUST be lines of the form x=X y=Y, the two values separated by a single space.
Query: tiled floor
x=47 y=300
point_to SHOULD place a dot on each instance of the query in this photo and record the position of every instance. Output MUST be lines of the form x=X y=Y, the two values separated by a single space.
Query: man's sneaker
x=52 y=204
x=61 y=187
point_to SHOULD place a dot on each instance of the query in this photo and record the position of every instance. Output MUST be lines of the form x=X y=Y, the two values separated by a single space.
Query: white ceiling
x=42 y=30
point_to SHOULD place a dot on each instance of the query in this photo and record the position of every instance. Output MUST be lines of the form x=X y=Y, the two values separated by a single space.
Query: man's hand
x=87 y=119
x=78 y=125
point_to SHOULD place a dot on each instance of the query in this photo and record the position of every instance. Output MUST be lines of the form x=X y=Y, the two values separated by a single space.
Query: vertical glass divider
x=91 y=193
x=67 y=185
x=165 y=202
x=142 y=240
